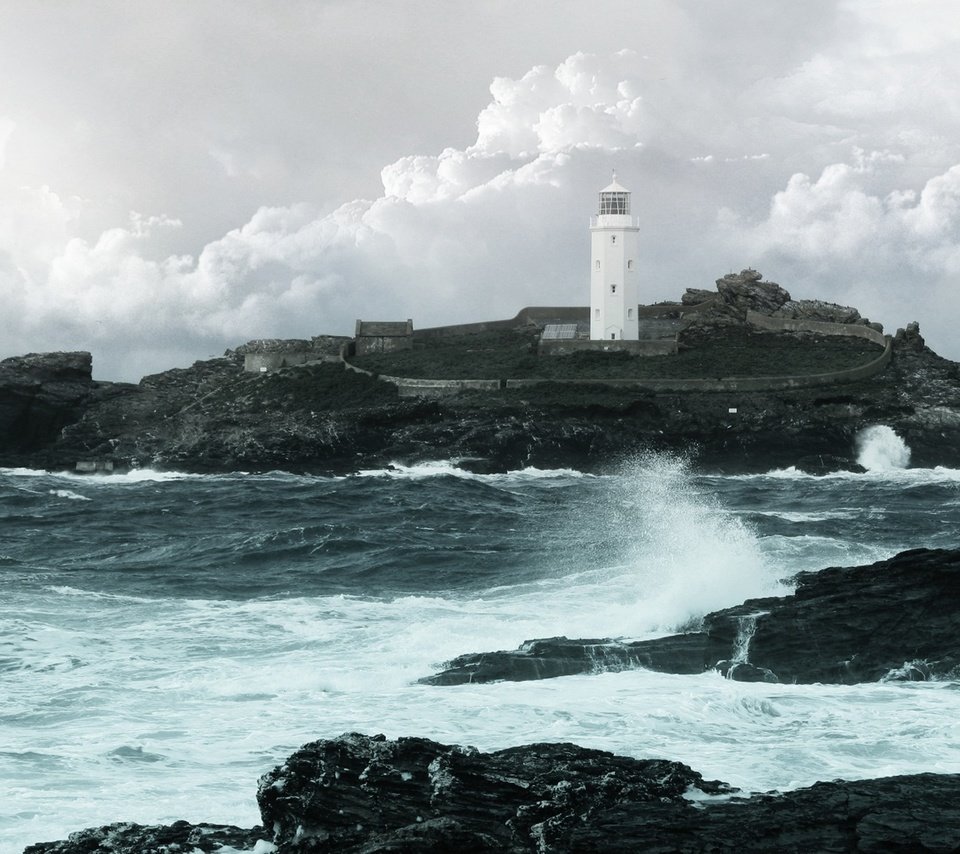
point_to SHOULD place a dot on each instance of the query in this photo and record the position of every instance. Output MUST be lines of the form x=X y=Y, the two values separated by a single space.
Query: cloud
x=7 y=127
x=453 y=236
x=735 y=157
x=894 y=255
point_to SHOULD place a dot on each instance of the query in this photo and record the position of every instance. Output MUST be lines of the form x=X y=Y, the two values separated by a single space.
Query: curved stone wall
x=780 y=324
x=414 y=387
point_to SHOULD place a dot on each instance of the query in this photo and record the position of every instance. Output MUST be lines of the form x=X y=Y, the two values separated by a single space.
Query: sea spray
x=683 y=553
x=879 y=448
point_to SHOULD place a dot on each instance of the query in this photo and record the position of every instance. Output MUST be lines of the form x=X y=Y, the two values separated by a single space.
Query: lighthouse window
x=598 y=265
x=596 y=313
x=616 y=204
x=629 y=265
x=613 y=289
x=629 y=314
x=613 y=238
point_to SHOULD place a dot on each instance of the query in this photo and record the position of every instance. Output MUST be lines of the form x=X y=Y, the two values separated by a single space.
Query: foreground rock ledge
x=895 y=619
x=359 y=793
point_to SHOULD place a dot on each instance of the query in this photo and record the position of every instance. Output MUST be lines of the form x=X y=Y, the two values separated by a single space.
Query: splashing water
x=879 y=448
x=686 y=553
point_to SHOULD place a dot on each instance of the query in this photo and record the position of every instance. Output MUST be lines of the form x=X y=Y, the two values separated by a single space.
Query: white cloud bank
x=833 y=179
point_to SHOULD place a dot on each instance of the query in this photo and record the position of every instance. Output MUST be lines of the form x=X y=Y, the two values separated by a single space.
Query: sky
x=177 y=178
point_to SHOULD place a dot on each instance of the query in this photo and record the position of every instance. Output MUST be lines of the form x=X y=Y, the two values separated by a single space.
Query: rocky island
x=754 y=383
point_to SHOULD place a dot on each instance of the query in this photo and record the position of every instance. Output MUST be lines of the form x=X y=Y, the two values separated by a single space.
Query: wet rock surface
x=178 y=838
x=356 y=790
x=360 y=793
x=841 y=625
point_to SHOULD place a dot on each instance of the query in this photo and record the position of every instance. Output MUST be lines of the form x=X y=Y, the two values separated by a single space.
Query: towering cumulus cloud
x=832 y=168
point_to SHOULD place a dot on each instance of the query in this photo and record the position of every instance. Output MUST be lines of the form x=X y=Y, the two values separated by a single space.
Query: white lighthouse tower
x=614 y=244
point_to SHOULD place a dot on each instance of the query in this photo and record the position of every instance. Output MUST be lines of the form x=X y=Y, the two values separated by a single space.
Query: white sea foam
x=917 y=476
x=23 y=472
x=451 y=468
x=879 y=448
x=132 y=476
x=69 y=494
x=435 y=468
x=66 y=590
x=816 y=516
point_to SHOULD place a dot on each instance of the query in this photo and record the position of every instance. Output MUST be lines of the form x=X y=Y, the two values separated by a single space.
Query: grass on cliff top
x=734 y=352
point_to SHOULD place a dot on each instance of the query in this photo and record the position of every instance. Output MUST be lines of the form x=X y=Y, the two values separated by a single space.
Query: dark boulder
x=129 y=838
x=909 y=813
x=362 y=793
x=827 y=464
x=841 y=625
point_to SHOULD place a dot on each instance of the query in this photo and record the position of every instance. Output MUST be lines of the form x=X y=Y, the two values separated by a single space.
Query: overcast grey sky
x=180 y=177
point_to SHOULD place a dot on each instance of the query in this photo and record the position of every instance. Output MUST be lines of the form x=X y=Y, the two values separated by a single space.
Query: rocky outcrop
x=739 y=293
x=818 y=310
x=178 y=838
x=746 y=291
x=896 y=619
x=359 y=793
x=697 y=296
x=40 y=394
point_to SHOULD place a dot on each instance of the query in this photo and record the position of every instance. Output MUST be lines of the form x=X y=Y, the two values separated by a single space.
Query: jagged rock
x=910 y=813
x=745 y=291
x=178 y=838
x=910 y=338
x=827 y=463
x=697 y=296
x=40 y=394
x=842 y=625
x=363 y=793
x=818 y=310
x=742 y=671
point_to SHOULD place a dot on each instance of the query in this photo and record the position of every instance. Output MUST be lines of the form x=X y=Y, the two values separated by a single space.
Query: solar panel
x=559 y=331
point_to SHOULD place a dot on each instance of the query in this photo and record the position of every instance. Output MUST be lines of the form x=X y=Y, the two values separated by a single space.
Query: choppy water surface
x=165 y=639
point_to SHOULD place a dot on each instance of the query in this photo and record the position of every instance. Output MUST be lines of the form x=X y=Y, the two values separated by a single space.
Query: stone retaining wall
x=779 y=324
x=413 y=387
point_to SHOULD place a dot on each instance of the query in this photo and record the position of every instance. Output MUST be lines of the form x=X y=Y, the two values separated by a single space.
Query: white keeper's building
x=614 y=245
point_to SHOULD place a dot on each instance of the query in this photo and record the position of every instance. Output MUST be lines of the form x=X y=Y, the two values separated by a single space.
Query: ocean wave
x=913 y=476
x=68 y=493
x=132 y=476
x=812 y=516
x=451 y=468
x=66 y=590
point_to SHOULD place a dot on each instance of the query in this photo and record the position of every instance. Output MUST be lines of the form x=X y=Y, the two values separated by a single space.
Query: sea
x=166 y=638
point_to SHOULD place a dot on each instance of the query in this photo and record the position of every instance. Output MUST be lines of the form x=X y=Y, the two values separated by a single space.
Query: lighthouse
x=614 y=243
